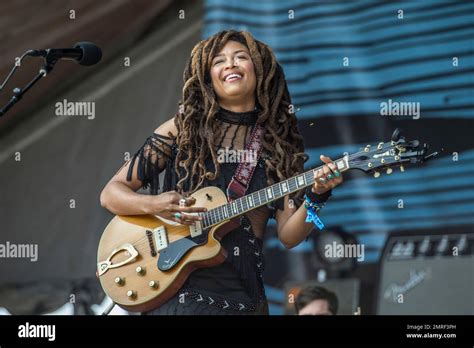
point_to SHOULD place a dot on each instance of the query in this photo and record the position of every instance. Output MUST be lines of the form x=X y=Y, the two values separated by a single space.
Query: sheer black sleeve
x=151 y=159
x=279 y=204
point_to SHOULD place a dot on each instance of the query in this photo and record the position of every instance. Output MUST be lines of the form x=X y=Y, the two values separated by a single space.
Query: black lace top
x=237 y=284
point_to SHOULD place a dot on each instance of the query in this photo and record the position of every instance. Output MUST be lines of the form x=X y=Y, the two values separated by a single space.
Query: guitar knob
x=140 y=270
x=402 y=168
x=152 y=284
x=131 y=294
x=389 y=170
x=376 y=174
x=119 y=281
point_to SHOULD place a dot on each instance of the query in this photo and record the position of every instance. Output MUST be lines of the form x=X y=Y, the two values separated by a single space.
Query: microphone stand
x=50 y=59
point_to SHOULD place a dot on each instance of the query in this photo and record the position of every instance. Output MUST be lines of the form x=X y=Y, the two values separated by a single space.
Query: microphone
x=84 y=53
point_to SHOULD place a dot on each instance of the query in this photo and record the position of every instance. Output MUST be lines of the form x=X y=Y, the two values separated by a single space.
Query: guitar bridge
x=151 y=243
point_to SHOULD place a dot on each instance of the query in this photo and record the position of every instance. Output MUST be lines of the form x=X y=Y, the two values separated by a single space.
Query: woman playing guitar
x=232 y=82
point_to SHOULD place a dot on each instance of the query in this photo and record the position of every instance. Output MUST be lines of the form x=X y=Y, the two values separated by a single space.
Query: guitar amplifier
x=427 y=274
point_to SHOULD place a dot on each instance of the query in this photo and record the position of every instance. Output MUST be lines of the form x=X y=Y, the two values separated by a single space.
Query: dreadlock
x=197 y=129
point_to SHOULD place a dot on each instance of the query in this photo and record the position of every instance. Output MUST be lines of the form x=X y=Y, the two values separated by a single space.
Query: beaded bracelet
x=314 y=197
x=314 y=205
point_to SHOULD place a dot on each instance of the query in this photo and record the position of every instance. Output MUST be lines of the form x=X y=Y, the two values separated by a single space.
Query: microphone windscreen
x=91 y=53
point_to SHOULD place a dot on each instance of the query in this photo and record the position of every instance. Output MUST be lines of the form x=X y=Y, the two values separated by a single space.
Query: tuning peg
x=402 y=168
x=396 y=134
x=389 y=171
x=376 y=174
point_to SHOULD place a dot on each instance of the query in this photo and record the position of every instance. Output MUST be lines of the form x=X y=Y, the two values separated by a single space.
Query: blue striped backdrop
x=409 y=59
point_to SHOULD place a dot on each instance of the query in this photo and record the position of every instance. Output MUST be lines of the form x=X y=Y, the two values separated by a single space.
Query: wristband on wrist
x=315 y=198
x=311 y=212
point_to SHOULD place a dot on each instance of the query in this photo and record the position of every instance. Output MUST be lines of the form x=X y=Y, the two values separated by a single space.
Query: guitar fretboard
x=265 y=196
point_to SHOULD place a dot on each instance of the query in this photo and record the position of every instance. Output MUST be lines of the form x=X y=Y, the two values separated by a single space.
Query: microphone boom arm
x=50 y=61
x=84 y=53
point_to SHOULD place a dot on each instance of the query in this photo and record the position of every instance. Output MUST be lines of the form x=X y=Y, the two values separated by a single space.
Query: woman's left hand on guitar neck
x=326 y=178
x=292 y=227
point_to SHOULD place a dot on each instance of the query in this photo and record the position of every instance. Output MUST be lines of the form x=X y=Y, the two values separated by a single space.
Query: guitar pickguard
x=176 y=250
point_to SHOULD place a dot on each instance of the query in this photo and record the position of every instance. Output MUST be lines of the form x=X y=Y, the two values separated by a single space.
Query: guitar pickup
x=196 y=229
x=161 y=238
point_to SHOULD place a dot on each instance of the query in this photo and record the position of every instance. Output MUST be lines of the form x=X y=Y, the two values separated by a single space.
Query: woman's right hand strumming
x=174 y=206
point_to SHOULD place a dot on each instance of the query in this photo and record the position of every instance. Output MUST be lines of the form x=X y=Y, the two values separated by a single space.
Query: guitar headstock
x=383 y=156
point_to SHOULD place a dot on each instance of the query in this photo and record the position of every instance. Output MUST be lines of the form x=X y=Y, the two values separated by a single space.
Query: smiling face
x=233 y=77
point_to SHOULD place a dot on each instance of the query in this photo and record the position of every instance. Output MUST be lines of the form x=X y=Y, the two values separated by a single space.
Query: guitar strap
x=240 y=182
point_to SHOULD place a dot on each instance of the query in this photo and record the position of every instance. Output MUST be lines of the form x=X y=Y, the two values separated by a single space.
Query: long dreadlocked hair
x=195 y=122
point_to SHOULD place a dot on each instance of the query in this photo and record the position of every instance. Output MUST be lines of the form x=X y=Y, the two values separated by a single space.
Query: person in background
x=316 y=300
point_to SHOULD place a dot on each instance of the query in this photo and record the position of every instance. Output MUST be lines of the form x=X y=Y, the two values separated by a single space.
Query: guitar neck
x=264 y=196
